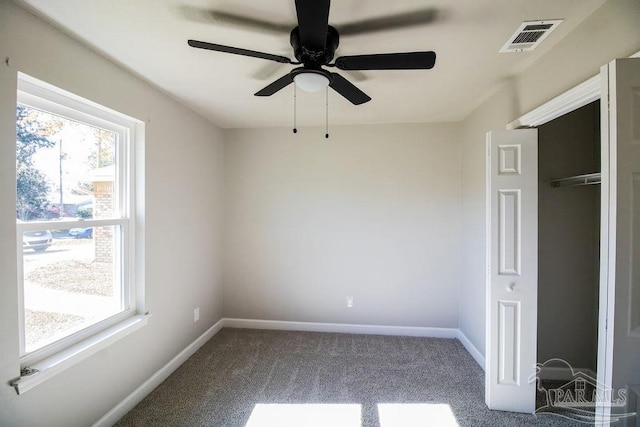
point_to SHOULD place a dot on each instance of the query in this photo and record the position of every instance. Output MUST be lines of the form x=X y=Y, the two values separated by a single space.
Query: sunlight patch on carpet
x=309 y=415
x=416 y=415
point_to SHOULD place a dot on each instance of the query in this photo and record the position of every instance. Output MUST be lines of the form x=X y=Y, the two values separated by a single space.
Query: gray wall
x=611 y=32
x=183 y=209
x=568 y=245
x=372 y=213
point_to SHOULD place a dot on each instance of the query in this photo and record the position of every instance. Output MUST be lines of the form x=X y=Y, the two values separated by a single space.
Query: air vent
x=529 y=35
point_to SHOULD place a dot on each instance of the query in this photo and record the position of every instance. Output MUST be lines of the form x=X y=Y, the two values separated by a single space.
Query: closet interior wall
x=569 y=231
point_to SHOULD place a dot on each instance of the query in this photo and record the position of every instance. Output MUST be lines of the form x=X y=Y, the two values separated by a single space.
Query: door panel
x=508 y=343
x=619 y=349
x=509 y=231
x=512 y=269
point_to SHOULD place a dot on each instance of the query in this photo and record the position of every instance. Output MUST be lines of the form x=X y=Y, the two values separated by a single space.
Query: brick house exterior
x=103 y=207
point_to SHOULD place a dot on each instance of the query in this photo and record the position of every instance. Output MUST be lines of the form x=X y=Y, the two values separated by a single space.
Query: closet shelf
x=573 y=181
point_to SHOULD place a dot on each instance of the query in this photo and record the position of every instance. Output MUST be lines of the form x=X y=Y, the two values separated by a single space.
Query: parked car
x=37 y=240
x=81 y=233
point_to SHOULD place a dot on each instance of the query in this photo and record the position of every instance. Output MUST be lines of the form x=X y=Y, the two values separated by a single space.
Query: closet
x=569 y=238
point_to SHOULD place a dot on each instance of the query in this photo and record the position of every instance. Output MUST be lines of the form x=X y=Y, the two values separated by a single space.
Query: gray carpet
x=239 y=368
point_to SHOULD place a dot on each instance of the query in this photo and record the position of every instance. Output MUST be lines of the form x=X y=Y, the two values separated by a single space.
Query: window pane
x=65 y=169
x=70 y=283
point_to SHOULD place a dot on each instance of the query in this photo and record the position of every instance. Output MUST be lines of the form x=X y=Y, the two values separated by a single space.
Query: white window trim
x=59 y=362
x=52 y=359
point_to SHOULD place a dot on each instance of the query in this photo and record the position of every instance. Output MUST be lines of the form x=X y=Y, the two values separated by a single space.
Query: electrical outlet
x=196 y=314
x=349 y=302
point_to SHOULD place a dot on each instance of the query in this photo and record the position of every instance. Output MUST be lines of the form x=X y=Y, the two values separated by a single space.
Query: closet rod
x=573 y=181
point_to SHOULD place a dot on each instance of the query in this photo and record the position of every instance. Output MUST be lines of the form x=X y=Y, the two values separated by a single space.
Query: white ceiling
x=149 y=37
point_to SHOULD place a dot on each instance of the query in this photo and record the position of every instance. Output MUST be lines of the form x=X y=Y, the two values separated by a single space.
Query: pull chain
x=326 y=115
x=295 y=128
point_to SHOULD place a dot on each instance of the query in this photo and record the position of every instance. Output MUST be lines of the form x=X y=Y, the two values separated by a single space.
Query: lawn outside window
x=79 y=285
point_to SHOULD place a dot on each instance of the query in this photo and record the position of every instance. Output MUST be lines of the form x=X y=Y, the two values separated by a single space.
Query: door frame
x=576 y=97
x=585 y=93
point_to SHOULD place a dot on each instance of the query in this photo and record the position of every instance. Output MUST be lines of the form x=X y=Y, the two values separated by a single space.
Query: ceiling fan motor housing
x=311 y=58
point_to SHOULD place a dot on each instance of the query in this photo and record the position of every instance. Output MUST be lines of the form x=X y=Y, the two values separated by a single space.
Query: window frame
x=39 y=95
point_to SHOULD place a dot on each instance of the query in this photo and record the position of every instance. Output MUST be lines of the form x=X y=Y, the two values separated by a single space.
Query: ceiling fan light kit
x=314 y=43
x=311 y=80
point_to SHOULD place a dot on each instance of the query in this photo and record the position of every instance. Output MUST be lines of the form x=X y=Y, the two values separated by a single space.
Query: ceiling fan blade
x=268 y=71
x=388 y=61
x=233 y=20
x=251 y=23
x=348 y=90
x=281 y=83
x=402 y=20
x=313 y=23
x=238 y=51
x=356 y=76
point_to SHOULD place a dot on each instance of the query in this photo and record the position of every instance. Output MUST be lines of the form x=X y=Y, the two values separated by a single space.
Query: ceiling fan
x=314 y=43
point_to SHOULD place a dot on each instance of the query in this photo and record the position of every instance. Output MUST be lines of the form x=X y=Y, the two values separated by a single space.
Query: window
x=75 y=220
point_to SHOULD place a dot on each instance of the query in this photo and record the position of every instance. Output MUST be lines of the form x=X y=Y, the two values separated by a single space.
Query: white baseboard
x=129 y=402
x=472 y=349
x=346 y=328
x=413 y=331
x=563 y=374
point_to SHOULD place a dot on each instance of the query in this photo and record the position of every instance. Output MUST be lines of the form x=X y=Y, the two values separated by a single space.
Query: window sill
x=51 y=366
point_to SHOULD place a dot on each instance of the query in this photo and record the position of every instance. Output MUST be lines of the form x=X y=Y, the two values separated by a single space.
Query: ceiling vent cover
x=529 y=35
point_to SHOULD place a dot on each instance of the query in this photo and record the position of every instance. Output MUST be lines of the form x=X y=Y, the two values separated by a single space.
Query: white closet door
x=512 y=270
x=619 y=357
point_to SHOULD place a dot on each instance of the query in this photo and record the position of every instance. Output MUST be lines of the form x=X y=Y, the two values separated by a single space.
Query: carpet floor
x=260 y=378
